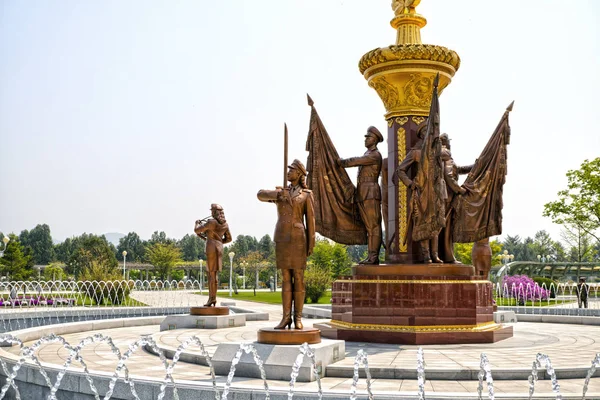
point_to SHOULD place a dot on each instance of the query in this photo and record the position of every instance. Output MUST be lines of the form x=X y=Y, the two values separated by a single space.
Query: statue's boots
x=374 y=245
x=212 y=288
x=286 y=300
x=426 y=256
x=435 y=258
x=298 y=305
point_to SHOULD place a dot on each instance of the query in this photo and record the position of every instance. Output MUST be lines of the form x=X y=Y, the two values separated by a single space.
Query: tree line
x=89 y=256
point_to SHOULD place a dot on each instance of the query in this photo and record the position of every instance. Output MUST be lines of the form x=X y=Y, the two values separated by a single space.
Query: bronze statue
x=294 y=239
x=451 y=174
x=215 y=231
x=429 y=246
x=368 y=192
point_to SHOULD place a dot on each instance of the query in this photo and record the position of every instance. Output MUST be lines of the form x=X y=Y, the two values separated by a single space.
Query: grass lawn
x=510 y=302
x=264 y=297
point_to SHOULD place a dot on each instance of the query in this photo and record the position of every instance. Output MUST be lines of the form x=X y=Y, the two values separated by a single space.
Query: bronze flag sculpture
x=478 y=213
x=215 y=231
x=336 y=213
x=294 y=239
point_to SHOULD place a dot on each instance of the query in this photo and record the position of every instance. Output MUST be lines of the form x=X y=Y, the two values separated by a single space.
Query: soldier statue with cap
x=368 y=192
x=215 y=231
x=294 y=239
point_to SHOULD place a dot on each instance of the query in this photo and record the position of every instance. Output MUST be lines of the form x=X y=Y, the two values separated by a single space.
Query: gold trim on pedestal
x=485 y=326
x=402 y=193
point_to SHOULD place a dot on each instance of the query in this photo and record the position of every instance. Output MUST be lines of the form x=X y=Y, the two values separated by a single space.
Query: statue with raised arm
x=368 y=192
x=294 y=239
x=215 y=231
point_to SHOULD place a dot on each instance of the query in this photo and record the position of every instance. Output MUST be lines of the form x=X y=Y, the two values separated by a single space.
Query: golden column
x=402 y=75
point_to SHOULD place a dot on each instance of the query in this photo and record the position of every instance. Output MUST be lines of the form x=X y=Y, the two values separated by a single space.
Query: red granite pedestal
x=413 y=304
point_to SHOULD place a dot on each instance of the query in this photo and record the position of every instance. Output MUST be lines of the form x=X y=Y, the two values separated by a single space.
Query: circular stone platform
x=451 y=370
x=288 y=336
x=209 y=311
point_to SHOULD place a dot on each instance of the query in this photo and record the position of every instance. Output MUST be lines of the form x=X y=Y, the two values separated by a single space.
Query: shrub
x=523 y=288
x=548 y=284
x=317 y=281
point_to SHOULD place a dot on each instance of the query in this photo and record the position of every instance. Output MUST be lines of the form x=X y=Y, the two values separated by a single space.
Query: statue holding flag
x=368 y=192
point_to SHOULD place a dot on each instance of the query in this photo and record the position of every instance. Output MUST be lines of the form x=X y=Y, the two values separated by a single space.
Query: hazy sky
x=120 y=116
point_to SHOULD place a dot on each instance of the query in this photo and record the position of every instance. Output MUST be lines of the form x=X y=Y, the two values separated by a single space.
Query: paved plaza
x=569 y=347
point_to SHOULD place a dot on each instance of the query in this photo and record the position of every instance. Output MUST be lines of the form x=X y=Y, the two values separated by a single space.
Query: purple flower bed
x=36 y=301
x=523 y=288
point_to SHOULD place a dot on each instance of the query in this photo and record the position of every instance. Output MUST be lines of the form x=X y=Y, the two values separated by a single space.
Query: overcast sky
x=120 y=116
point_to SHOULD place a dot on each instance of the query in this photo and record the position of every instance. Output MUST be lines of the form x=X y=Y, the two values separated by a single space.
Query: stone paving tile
x=567 y=345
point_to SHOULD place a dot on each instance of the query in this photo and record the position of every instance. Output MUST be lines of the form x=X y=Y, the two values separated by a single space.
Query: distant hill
x=114 y=237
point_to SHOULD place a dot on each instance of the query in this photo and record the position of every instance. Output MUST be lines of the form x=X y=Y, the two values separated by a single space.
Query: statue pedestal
x=414 y=304
x=209 y=310
x=202 y=321
x=278 y=360
x=288 y=336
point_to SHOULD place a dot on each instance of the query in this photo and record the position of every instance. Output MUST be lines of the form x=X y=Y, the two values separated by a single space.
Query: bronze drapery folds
x=427 y=212
x=478 y=213
x=336 y=213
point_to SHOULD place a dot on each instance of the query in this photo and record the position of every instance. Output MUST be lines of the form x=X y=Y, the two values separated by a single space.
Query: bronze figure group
x=441 y=211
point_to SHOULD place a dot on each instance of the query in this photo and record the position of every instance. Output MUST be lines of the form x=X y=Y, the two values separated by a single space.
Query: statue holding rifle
x=294 y=238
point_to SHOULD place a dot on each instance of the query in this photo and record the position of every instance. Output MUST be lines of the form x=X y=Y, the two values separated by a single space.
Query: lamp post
x=5 y=240
x=201 y=276
x=231 y=254
x=244 y=265
x=124 y=262
x=506 y=258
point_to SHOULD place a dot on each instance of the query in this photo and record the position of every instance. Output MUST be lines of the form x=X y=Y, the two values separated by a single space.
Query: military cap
x=215 y=206
x=375 y=132
x=297 y=164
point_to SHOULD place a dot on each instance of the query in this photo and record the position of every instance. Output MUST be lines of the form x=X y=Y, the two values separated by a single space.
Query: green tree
x=65 y=250
x=581 y=248
x=243 y=245
x=192 y=248
x=40 y=241
x=317 y=282
x=15 y=264
x=164 y=257
x=133 y=245
x=90 y=247
x=266 y=247
x=160 y=237
x=543 y=244
x=322 y=255
x=107 y=286
x=579 y=205
x=341 y=262
x=54 y=271
x=357 y=252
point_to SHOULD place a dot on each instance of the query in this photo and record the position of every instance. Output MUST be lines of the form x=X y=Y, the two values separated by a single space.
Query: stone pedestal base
x=288 y=336
x=278 y=360
x=202 y=322
x=414 y=304
x=505 y=317
x=209 y=311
